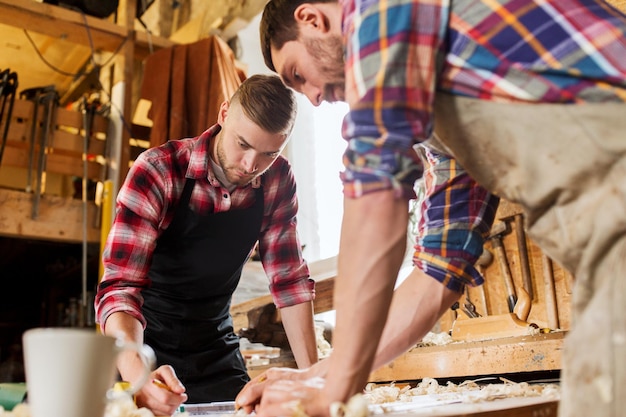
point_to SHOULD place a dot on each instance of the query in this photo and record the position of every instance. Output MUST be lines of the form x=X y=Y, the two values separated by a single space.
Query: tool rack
x=36 y=150
x=63 y=157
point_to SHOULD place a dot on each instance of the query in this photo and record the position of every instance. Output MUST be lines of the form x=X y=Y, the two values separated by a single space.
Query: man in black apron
x=188 y=217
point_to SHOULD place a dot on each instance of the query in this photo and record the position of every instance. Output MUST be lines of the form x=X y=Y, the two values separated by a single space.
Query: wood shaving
x=323 y=347
x=469 y=391
x=357 y=406
x=387 y=393
x=435 y=339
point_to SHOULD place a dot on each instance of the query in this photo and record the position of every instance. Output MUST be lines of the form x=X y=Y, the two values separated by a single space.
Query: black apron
x=195 y=268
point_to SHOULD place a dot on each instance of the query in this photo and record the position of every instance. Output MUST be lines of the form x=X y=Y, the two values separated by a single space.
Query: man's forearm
x=130 y=329
x=298 y=323
x=373 y=242
x=418 y=303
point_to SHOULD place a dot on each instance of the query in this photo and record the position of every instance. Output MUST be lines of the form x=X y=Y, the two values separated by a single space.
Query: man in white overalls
x=528 y=97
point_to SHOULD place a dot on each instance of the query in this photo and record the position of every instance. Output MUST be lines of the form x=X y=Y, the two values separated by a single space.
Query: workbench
x=520 y=354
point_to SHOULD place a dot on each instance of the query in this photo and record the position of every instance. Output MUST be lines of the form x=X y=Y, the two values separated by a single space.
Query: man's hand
x=293 y=398
x=163 y=394
x=252 y=393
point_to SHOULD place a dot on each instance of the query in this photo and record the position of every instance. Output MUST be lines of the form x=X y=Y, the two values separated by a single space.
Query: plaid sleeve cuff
x=455 y=274
x=298 y=292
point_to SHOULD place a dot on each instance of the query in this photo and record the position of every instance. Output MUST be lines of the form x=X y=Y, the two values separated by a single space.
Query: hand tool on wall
x=518 y=221
x=468 y=307
x=31 y=94
x=49 y=99
x=485 y=259
x=550 y=291
x=497 y=231
x=8 y=86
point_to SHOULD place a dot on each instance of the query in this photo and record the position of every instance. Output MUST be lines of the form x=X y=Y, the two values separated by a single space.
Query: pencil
x=161 y=384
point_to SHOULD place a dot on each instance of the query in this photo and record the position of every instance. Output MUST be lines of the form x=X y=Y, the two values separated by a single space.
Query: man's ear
x=223 y=112
x=311 y=17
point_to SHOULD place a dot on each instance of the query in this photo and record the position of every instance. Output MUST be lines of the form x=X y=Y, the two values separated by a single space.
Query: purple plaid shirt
x=400 y=52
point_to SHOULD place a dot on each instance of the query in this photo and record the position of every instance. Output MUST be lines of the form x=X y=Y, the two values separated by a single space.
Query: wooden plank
x=497 y=356
x=458 y=360
x=59 y=218
x=324 y=287
x=57 y=163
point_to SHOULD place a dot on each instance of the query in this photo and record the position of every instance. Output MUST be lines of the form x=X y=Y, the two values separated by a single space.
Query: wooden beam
x=62 y=23
x=128 y=9
x=59 y=219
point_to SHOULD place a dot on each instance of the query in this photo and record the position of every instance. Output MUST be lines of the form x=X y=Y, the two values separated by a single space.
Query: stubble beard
x=329 y=54
x=234 y=179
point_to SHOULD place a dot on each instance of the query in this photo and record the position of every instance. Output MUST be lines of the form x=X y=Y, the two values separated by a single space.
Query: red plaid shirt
x=145 y=208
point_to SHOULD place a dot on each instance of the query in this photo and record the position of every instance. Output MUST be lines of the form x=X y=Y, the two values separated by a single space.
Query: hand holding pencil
x=164 y=394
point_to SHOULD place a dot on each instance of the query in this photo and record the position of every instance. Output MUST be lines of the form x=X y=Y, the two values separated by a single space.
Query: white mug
x=69 y=371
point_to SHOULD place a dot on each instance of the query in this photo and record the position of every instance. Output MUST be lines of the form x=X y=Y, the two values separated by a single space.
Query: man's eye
x=296 y=76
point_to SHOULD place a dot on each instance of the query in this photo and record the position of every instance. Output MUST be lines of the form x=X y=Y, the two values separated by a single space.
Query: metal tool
x=468 y=307
x=221 y=407
x=49 y=99
x=8 y=86
x=31 y=94
x=497 y=231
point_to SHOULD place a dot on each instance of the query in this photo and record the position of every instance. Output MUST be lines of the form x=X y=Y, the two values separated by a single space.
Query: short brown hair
x=266 y=101
x=278 y=25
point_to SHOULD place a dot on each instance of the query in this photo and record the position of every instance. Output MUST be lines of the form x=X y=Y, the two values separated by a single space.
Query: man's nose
x=250 y=162
x=313 y=93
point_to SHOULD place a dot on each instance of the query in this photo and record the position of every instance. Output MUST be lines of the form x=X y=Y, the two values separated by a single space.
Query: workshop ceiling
x=41 y=60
